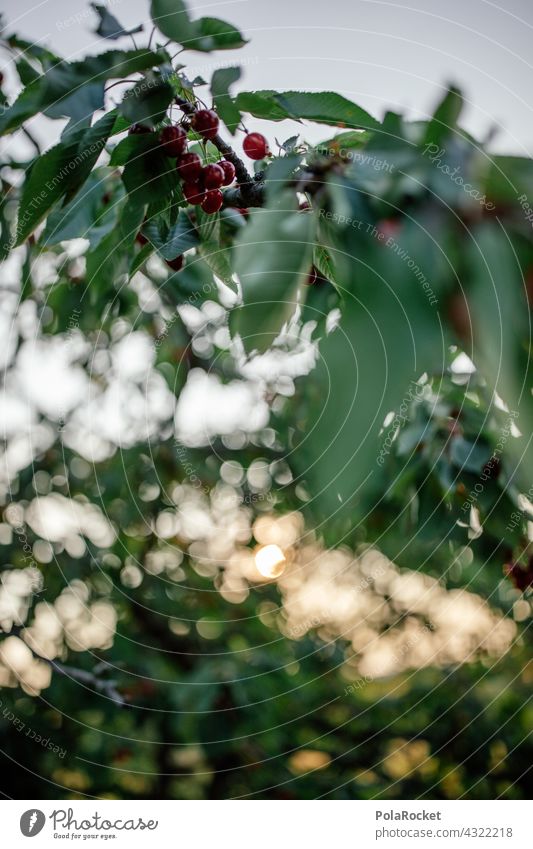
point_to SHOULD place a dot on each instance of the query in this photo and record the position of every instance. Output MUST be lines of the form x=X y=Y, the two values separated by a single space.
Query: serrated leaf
x=323 y=107
x=273 y=256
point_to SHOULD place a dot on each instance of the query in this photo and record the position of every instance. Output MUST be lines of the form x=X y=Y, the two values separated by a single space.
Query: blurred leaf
x=444 y=121
x=469 y=456
x=56 y=90
x=204 y=34
x=273 y=256
x=213 y=34
x=109 y=27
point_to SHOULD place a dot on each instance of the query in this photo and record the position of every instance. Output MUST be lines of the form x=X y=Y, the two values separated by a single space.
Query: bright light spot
x=270 y=561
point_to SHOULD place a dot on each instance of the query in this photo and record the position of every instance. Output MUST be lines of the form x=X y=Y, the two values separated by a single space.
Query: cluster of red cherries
x=202 y=183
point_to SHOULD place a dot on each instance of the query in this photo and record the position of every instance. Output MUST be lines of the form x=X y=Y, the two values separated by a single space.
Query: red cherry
x=388 y=228
x=229 y=171
x=173 y=140
x=212 y=176
x=205 y=122
x=522 y=578
x=212 y=201
x=175 y=264
x=255 y=146
x=189 y=167
x=193 y=192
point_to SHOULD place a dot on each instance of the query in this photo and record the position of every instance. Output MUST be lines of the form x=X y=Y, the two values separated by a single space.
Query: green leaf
x=469 y=455
x=140 y=258
x=280 y=170
x=218 y=258
x=171 y=17
x=170 y=242
x=344 y=141
x=55 y=92
x=147 y=102
x=109 y=27
x=78 y=106
x=87 y=216
x=110 y=260
x=213 y=34
x=61 y=170
x=324 y=107
x=273 y=256
x=510 y=180
x=92 y=142
x=388 y=335
x=323 y=261
x=26 y=71
x=130 y=147
x=6 y=238
x=45 y=185
x=501 y=334
x=444 y=121
x=150 y=173
x=221 y=80
x=205 y=34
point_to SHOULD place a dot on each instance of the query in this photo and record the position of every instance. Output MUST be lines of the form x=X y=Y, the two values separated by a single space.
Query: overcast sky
x=380 y=53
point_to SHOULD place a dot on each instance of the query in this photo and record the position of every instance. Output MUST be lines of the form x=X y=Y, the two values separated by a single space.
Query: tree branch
x=108 y=688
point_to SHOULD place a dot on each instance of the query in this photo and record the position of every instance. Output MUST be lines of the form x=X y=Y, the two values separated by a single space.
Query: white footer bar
x=267 y=824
